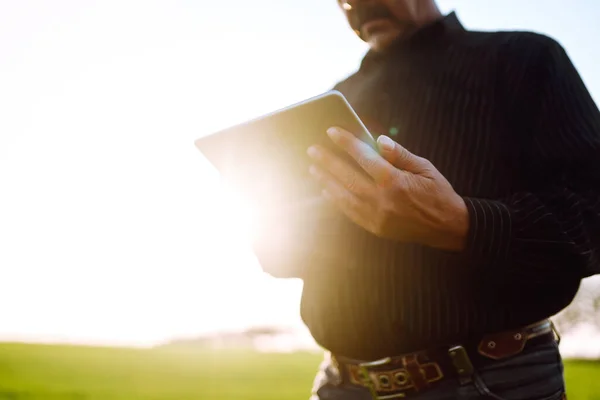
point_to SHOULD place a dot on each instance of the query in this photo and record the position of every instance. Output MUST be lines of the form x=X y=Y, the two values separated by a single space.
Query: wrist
x=455 y=229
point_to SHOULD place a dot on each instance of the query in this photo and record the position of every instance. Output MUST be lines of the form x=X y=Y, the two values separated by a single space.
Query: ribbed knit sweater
x=506 y=118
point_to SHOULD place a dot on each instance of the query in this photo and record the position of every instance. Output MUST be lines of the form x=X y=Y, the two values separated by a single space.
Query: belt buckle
x=368 y=382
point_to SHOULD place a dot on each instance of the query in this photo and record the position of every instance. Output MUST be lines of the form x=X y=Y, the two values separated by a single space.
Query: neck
x=425 y=13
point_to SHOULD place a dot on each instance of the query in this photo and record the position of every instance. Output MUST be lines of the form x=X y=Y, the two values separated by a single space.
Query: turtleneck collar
x=429 y=33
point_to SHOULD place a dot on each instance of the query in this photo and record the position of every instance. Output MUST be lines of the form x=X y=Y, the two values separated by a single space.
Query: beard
x=362 y=13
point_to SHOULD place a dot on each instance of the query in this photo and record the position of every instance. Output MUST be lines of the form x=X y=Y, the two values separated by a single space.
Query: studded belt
x=404 y=375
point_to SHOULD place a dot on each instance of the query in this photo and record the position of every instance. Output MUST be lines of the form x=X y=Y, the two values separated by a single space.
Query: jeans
x=534 y=374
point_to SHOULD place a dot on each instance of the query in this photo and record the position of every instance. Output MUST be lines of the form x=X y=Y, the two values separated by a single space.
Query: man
x=470 y=228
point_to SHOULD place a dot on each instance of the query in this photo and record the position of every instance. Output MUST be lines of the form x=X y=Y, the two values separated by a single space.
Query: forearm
x=278 y=253
x=542 y=235
x=552 y=228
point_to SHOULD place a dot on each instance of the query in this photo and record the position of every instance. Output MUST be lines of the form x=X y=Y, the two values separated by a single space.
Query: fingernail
x=385 y=143
x=333 y=133
x=326 y=194
x=313 y=152
x=313 y=170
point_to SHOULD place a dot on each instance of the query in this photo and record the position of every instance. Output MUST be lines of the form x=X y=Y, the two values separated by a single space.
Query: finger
x=349 y=176
x=399 y=157
x=354 y=215
x=354 y=209
x=336 y=188
x=367 y=157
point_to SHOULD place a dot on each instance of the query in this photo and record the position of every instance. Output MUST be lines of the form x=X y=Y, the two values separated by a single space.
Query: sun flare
x=240 y=213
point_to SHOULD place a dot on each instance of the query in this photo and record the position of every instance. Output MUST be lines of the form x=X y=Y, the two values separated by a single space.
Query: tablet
x=265 y=159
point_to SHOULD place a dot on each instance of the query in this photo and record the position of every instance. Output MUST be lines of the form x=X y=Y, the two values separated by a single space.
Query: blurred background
x=114 y=230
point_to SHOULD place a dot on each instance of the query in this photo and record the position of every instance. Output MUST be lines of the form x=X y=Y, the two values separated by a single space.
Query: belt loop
x=556 y=333
x=415 y=371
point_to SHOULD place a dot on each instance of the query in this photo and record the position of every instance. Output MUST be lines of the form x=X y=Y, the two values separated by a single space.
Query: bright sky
x=111 y=229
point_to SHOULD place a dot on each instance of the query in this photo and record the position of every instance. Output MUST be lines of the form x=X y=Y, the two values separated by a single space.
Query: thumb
x=399 y=157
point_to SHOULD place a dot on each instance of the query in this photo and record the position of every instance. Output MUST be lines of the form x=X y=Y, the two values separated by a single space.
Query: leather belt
x=400 y=376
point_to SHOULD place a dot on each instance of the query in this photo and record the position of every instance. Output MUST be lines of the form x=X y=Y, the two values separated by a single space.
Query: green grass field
x=78 y=373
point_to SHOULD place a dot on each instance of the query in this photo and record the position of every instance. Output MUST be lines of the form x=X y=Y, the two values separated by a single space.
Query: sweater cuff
x=490 y=230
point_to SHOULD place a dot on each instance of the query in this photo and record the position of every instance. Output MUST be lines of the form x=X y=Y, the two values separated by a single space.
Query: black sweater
x=506 y=118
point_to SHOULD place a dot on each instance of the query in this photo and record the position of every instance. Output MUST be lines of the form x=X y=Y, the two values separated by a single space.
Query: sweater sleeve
x=554 y=229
